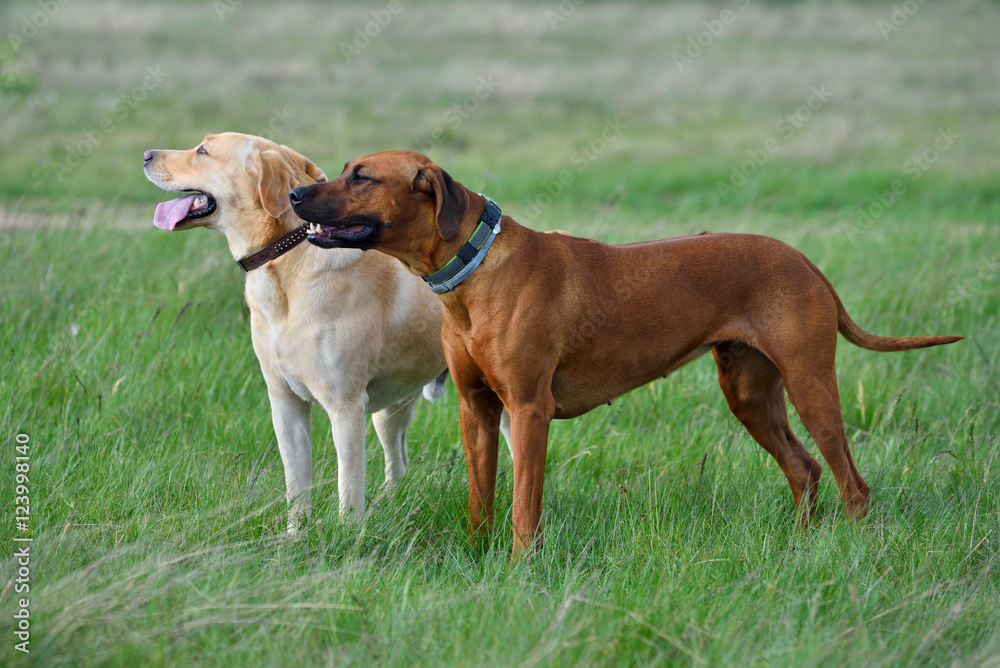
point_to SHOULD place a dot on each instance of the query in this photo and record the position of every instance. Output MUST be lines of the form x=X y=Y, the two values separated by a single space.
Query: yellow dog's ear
x=311 y=170
x=450 y=199
x=278 y=171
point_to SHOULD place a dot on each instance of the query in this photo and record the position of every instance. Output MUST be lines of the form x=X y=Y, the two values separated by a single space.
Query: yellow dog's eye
x=202 y=151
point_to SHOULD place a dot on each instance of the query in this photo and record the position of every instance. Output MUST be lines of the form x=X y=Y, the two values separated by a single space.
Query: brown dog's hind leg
x=811 y=382
x=756 y=396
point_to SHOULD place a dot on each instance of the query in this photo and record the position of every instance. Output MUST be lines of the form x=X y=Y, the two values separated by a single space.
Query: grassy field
x=866 y=137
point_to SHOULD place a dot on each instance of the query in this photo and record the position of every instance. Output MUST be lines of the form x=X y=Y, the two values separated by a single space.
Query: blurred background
x=680 y=113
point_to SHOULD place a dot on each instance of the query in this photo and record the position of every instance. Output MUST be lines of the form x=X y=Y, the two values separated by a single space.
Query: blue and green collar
x=471 y=255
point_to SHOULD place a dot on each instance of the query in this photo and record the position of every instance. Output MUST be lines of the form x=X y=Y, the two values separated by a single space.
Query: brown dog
x=551 y=326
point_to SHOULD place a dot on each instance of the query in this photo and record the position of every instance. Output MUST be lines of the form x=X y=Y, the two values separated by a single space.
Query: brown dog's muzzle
x=330 y=227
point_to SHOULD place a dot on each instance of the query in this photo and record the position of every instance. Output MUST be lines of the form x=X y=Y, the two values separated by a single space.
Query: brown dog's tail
x=883 y=344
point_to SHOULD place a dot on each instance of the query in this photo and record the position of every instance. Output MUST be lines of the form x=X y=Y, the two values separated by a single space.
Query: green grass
x=156 y=487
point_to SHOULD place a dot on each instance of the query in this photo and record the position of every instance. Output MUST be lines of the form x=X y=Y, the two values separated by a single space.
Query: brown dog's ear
x=450 y=199
x=277 y=173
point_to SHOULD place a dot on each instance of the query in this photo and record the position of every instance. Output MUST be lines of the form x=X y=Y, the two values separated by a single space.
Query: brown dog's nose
x=147 y=156
x=296 y=195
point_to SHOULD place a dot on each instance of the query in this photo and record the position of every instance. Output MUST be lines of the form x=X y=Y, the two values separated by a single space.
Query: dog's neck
x=249 y=236
x=471 y=253
x=460 y=300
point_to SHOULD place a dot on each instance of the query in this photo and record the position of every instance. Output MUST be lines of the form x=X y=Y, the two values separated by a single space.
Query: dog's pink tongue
x=168 y=214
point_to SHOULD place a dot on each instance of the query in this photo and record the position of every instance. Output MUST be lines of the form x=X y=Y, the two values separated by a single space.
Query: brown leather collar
x=275 y=249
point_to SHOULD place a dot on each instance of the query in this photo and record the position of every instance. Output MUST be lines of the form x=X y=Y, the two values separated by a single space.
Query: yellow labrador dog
x=354 y=331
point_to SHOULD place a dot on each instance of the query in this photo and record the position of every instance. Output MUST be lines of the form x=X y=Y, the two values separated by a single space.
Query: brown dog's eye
x=202 y=151
x=357 y=178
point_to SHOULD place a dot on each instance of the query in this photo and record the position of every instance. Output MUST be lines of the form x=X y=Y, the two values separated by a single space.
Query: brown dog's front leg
x=480 y=412
x=530 y=431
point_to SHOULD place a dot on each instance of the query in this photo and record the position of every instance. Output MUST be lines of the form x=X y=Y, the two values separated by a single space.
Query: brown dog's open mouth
x=191 y=206
x=355 y=234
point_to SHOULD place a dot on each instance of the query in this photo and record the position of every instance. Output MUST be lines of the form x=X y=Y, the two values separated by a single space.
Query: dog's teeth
x=314 y=228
